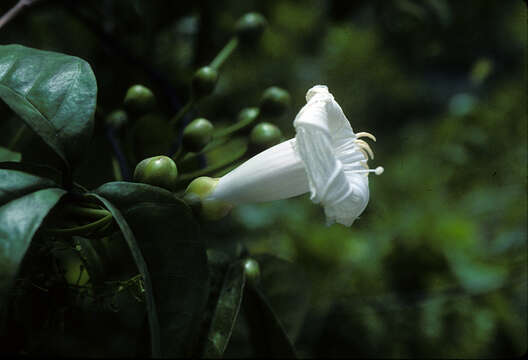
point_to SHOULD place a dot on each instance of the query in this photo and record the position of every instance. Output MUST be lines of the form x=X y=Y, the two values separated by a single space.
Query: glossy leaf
x=15 y=184
x=287 y=289
x=25 y=200
x=266 y=333
x=226 y=312
x=55 y=94
x=34 y=169
x=143 y=270
x=8 y=155
x=168 y=238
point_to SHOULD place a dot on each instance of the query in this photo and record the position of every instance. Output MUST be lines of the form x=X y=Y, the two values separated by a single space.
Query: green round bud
x=197 y=134
x=265 y=135
x=117 y=119
x=157 y=171
x=203 y=82
x=249 y=28
x=252 y=271
x=139 y=99
x=248 y=115
x=210 y=209
x=274 y=101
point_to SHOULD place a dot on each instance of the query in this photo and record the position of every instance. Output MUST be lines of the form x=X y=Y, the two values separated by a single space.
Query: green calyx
x=139 y=99
x=157 y=171
x=249 y=28
x=197 y=134
x=275 y=101
x=265 y=135
x=203 y=82
x=201 y=188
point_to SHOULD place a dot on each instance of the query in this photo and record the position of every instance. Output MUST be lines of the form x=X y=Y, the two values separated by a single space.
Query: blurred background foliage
x=437 y=264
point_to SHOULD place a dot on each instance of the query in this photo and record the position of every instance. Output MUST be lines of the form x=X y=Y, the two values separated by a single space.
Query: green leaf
x=287 y=289
x=15 y=184
x=143 y=270
x=34 y=169
x=22 y=210
x=55 y=94
x=266 y=333
x=226 y=313
x=168 y=237
x=8 y=155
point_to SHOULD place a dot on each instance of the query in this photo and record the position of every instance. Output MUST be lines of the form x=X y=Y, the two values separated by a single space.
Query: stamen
x=365 y=134
x=365 y=146
x=378 y=171
x=364 y=153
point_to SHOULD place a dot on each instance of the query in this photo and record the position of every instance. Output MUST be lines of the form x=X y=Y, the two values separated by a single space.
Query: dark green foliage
x=25 y=200
x=226 y=311
x=167 y=236
x=54 y=94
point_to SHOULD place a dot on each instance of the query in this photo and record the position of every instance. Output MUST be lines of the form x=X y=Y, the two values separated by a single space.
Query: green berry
x=252 y=271
x=203 y=82
x=197 y=134
x=117 y=119
x=139 y=99
x=265 y=135
x=275 y=101
x=157 y=171
x=249 y=28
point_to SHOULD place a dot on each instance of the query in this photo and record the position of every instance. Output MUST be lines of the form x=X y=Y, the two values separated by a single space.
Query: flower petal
x=274 y=174
x=325 y=143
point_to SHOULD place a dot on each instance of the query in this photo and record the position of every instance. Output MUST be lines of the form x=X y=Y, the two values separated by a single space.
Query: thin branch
x=15 y=10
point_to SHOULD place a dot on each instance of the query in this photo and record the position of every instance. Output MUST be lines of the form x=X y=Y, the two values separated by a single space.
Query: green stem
x=18 y=135
x=176 y=118
x=86 y=212
x=177 y=155
x=209 y=147
x=210 y=169
x=80 y=230
x=239 y=125
x=116 y=169
x=224 y=54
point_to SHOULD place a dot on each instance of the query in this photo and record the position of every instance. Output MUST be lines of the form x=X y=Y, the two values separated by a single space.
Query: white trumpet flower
x=326 y=158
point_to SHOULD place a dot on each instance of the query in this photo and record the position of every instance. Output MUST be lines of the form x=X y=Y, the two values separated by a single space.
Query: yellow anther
x=365 y=146
x=365 y=134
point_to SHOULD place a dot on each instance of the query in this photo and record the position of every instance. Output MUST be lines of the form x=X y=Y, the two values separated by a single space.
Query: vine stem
x=224 y=54
x=79 y=230
x=15 y=10
x=176 y=118
x=87 y=212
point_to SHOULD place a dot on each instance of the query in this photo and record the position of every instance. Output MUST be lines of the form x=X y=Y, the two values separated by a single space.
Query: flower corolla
x=325 y=158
